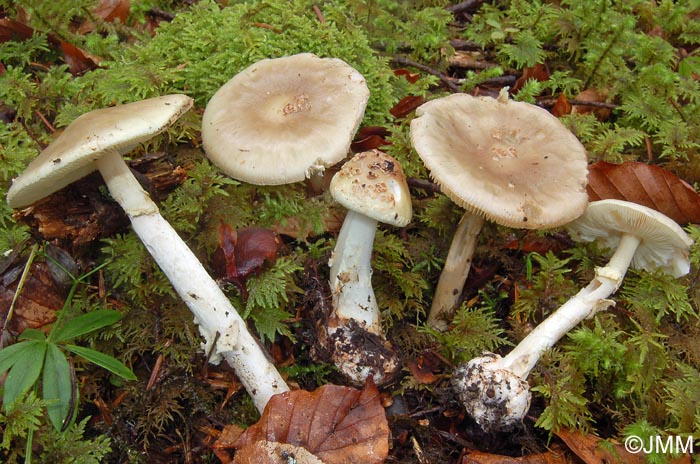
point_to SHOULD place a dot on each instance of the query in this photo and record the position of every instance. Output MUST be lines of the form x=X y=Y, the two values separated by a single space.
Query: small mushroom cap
x=373 y=183
x=512 y=162
x=664 y=244
x=280 y=120
x=72 y=155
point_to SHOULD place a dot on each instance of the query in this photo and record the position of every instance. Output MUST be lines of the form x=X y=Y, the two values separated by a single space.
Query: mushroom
x=285 y=119
x=95 y=141
x=494 y=389
x=504 y=161
x=372 y=186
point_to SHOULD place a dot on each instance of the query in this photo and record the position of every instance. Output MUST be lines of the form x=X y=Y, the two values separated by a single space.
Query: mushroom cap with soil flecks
x=512 y=162
x=372 y=186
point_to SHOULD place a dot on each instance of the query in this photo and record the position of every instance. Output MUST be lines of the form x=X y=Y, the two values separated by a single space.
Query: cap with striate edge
x=512 y=162
x=73 y=154
x=281 y=120
x=663 y=243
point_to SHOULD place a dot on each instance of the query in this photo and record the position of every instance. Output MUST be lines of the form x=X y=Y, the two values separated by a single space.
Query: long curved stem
x=212 y=310
x=456 y=270
x=585 y=304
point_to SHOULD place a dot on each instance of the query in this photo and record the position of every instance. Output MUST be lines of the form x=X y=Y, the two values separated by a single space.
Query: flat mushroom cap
x=373 y=183
x=281 y=119
x=664 y=245
x=72 y=155
x=512 y=162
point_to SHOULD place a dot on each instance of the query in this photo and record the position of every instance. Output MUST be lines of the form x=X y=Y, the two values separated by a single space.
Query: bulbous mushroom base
x=495 y=397
x=360 y=354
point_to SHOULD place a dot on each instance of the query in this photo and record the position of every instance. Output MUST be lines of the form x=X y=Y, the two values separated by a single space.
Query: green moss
x=204 y=47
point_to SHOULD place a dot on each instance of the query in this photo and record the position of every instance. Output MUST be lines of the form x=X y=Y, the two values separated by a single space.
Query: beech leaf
x=645 y=184
x=337 y=424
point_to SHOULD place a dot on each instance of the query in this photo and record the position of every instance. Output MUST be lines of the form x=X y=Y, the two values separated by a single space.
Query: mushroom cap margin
x=72 y=155
x=664 y=244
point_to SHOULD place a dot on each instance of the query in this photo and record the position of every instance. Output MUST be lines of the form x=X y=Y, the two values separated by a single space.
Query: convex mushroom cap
x=512 y=162
x=73 y=154
x=281 y=120
x=663 y=243
x=374 y=184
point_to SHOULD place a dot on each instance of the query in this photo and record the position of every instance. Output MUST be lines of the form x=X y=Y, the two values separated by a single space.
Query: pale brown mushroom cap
x=512 y=162
x=72 y=155
x=374 y=184
x=280 y=120
x=663 y=243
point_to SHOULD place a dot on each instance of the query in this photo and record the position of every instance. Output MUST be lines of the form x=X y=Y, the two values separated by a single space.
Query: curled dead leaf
x=407 y=104
x=43 y=294
x=337 y=424
x=370 y=137
x=645 y=184
x=244 y=252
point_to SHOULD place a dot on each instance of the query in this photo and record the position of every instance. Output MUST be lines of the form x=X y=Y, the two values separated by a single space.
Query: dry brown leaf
x=539 y=72
x=109 y=11
x=592 y=450
x=14 y=30
x=554 y=456
x=272 y=452
x=595 y=96
x=407 y=104
x=337 y=424
x=79 y=62
x=370 y=137
x=647 y=185
x=41 y=296
x=410 y=76
x=561 y=106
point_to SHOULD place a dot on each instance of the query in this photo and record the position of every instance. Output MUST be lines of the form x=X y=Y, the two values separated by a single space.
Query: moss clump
x=204 y=47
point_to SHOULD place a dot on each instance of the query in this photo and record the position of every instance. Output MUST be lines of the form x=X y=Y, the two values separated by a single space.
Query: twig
x=20 y=286
x=319 y=14
x=423 y=184
x=448 y=81
x=464 y=6
x=551 y=101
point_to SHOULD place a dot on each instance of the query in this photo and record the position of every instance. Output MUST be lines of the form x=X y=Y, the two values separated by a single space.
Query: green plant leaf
x=57 y=386
x=33 y=334
x=85 y=324
x=10 y=354
x=105 y=361
x=24 y=372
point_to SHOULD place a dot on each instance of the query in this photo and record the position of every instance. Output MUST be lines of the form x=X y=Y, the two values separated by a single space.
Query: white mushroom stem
x=455 y=271
x=351 y=273
x=218 y=320
x=494 y=390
